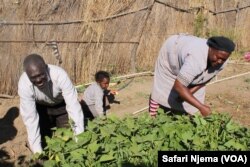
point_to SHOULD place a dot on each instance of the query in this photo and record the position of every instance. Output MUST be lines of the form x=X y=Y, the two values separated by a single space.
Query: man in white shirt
x=47 y=99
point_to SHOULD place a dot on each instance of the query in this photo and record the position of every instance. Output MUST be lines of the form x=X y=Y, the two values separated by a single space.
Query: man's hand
x=187 y=95
x=205 y=111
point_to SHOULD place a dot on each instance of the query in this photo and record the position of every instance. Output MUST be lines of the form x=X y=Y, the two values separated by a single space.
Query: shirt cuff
x=36 y=148
x=183 y=79
x=78 y=130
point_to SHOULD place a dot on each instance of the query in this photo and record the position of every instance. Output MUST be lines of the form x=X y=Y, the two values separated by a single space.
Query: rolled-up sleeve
x=73 y=107
x=191 y=68
x=30 y=116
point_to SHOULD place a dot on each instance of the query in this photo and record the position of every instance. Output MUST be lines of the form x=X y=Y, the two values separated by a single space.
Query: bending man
x=47 y=99
x=184 y=66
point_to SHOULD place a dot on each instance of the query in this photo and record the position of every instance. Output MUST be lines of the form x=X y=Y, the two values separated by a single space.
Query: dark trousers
x=51 y=116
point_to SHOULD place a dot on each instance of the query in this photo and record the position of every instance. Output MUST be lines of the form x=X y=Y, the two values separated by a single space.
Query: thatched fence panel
x=229 y=17
x=82 y=60
x=161 y=23
x=120 y=36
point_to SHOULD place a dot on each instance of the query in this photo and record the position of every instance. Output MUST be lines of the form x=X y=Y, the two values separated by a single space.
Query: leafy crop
x=136 y=141
x=80 y=88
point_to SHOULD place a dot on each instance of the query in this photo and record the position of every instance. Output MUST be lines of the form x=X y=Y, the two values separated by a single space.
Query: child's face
x=104 y=83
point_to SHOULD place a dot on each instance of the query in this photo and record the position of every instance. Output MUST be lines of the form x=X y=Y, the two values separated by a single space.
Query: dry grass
x=117 y=45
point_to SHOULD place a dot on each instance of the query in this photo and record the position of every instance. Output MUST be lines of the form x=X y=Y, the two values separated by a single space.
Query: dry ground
x=230 y=96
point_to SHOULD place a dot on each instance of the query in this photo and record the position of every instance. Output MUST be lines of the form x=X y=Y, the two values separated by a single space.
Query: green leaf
x=76 y=157
x=70 y=145
x=66 y=165
x=120 y=138
x=125 y=131
x=80 y=151
x=57 y=146
x=149 y=137
x=93 y=147
x=188 y=135
x=105 y=132
x=199 y=120
x=234 y=144
x=158 y=144
x=91 y=126
x=136 y=149
x=160 y=111
x=213 y=145
x=50 y=163
x=114 y=119
x=198 y=143
x=202 y=120
x=84 y=138
x=130 y=122
x=231 y=127
x=105 y=158
x=95 y=137
x=110 y=147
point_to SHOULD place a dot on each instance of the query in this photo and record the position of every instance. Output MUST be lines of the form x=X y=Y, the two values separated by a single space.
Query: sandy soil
x=231 y=96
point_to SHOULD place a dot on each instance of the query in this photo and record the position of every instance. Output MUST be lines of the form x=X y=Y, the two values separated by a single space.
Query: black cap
x=221 y=43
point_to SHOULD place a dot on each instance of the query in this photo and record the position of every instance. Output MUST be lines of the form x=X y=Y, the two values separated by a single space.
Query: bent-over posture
x=184 y=66
x=47 y=99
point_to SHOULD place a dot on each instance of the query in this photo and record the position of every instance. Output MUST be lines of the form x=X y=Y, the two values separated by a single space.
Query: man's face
x=104 y=83
x=37 y=75
x=217 y=57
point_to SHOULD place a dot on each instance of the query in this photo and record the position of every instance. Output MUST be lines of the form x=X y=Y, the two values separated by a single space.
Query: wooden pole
x=6 y=96
x=224 y=79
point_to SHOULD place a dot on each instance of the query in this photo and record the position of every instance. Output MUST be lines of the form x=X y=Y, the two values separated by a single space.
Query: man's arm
x=30 y=118
x=73 y=107
x=187 y=95
x=196 y=88
x=193 y=65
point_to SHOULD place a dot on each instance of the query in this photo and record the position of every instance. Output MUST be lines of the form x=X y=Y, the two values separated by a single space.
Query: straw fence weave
x=120 y=36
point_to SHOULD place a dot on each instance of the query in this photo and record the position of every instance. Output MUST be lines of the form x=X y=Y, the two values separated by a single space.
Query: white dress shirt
x=62 y=89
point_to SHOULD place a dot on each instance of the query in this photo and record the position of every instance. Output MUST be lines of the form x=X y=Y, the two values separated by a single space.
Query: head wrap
x=221 y=43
